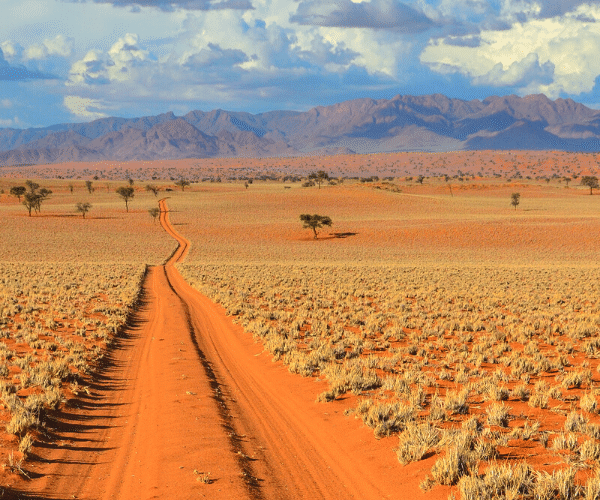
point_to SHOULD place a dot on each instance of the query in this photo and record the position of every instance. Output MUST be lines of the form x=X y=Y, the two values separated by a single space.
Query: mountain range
x=403 y=123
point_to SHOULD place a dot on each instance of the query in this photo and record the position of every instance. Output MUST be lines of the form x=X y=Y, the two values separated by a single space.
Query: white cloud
x=551 y=56
x=6 y=103
x=59 y=46
x=511 y=9
x=83 y=107
x=124 y=56
x=11 y=122
x=11 y=50
x=117 y=65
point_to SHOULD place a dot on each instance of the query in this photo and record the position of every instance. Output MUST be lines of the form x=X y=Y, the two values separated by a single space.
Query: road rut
x=188 y=406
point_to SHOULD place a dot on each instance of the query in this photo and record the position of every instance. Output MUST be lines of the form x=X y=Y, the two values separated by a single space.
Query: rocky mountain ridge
x=403 y=123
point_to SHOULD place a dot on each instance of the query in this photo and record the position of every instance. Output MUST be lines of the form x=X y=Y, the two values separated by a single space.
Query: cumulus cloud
x=325 y=53
x=171 y=5
x=215 y=56
x=524 y=73
x=118 y=64
x=550 y=56
x=6 y=103
x=84 y=107
x=12 y=51
x=12 y=72
x=375 y=14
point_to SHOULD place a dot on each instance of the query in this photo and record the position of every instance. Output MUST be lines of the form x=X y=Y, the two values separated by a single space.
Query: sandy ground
x=478 y=163
x=188 y=407
x=187 y=403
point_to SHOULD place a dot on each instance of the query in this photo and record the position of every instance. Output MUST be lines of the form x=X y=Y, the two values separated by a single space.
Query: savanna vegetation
x=460 y=329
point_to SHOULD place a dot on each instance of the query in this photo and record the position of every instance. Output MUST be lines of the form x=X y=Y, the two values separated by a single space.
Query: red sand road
x=187 y=395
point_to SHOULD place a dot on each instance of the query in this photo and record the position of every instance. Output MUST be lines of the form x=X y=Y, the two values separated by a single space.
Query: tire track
x=188 y=407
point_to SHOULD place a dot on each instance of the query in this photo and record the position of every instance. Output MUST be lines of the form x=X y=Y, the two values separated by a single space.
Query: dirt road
x=188 y=406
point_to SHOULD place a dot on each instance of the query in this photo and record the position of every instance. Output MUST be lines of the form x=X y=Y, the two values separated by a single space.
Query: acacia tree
x=319 y=177
x=33 y=186
x=88 y=185
x=515 y=199
x=83 y=208
x=30 y=202
x=127 y=194
x=590 y=181
x=153 y=188
x=33 y=199
x=182 y=183
x=154 y=212
x=18 y=191
x=315 y=222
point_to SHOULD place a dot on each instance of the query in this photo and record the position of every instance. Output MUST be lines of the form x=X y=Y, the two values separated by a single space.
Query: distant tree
x=153 y=188
x=154 y=213
x=246 y=185
x=590 y=181
x=420 y=179
x=33 y=199
x=30 y=201
x=71 y=188
x=515 y=199
x=130 y=180
x=83 y=208
x=567 y=180
x=315 y=222
x=319 y=177
x=447 y=179
x=33 y=186
x=182 y=183
x=18 y=191
x=126 y=193
x=88 y=185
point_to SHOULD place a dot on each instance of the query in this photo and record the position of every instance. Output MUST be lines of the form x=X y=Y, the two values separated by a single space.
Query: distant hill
x=404 y=123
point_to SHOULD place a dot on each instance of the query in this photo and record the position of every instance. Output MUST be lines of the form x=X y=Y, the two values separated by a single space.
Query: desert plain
x=435 y=341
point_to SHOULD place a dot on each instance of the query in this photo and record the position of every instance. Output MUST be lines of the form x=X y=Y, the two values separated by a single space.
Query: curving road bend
x=188 y=406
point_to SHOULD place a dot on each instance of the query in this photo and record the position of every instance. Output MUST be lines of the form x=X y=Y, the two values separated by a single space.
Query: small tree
x=130 y=180
x=447 y=179
x=18 y=191
x=33 y=186
x=590 y=181
x=71 y=188
x=319 y=177
x=88 y=185
x=420 y=179
x=83 y=208
x=515 y=199
x=33 y=200
x=315 y=222
x=154 y=212
x=567 y=180
x=182 y=183
x=127 y=194
x=153 y=188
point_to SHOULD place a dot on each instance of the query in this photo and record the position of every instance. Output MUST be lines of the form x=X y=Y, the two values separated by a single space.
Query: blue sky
x=70 y=61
